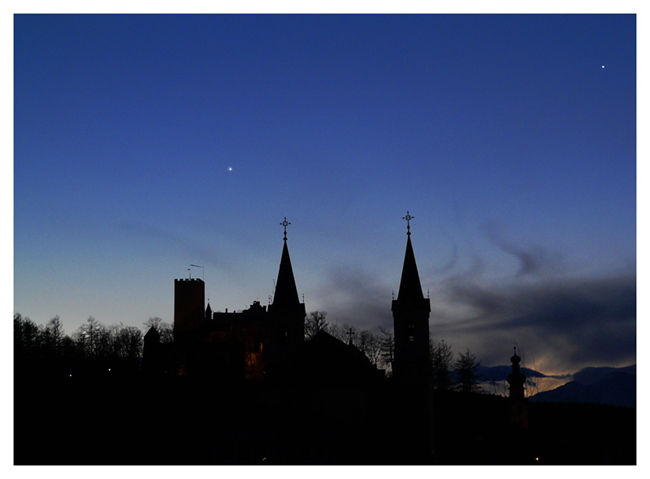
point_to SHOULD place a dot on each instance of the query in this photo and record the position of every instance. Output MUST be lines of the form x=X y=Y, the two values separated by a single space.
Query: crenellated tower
x=411 y=320
x=189 y=307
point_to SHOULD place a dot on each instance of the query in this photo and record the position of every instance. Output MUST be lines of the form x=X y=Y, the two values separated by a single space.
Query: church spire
x=287 y=316
x=410 y=287
x=411 y=320
x=286 y=293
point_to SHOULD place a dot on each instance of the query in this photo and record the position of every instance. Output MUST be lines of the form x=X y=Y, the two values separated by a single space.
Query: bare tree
x=165 y=330
x=340 y=332
x=370 y=345
x=315 y=322
x=93 y=339
x=126 y=342
x=442 y=359
x=466 y=368
x=27 y=338
x=55 y=333
x=387 y=349
x=52 y=338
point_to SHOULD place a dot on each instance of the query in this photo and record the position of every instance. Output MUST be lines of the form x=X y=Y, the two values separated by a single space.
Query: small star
x=603 y=66
x=230 y=168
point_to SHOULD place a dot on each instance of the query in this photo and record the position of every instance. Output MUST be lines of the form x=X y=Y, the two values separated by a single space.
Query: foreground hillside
x=175 y=422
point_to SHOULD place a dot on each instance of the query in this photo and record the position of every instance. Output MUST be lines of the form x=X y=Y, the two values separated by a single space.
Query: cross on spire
x=408 y=219
x=285 y=223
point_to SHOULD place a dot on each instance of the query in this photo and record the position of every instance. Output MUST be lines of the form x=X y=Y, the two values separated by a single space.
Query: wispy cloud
x=534 y=260
x=561 y=322
x=357 y=298
x=176 y=244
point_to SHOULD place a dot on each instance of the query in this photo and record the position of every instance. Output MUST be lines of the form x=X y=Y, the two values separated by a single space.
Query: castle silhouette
x=268 y=343
x=263 y=350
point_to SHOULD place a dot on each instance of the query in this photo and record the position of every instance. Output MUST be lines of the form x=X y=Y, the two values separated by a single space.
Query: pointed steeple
x=286 y=315
x=410 y=287
x=286 y=293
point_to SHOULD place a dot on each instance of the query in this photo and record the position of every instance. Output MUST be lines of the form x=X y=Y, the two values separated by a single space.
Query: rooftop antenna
x=197 y=266
x=190 y=272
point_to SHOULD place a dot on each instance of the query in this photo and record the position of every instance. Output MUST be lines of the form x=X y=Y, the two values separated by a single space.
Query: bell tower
x=518 y=405
x=286 y=313
x=411 y=320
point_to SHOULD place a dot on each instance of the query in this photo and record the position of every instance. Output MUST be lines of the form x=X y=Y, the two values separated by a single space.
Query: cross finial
x=285 y=223
x=408 y=219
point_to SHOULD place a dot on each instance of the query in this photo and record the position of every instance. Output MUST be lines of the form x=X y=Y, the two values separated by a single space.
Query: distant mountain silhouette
x=592 y=375
x=500 y=373
x=615 y=386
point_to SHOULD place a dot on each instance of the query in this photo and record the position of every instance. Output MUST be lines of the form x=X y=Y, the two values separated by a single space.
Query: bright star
x=230 y=168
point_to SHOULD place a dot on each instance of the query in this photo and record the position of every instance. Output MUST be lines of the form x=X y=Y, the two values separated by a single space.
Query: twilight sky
x=144 y=144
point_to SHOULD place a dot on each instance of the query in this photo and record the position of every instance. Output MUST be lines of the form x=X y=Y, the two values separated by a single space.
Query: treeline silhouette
x=91 y=349
x=97 y=349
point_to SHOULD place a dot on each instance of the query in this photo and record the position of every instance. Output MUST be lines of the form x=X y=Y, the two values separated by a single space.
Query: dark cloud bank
x=560 y=323
x=566 y=323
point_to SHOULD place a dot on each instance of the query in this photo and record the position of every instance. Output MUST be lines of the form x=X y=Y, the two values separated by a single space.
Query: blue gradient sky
x=510 y=139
